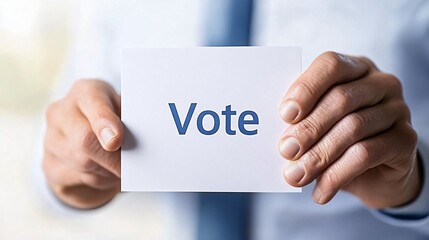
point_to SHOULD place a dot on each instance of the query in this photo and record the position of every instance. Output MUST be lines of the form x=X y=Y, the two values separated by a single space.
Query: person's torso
x=372 y=28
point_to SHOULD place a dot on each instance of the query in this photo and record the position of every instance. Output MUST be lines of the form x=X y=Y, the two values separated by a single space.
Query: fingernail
x=289 y=111
x=317 y=195
x=107 y=135
x=289 y=148
x=295 y=173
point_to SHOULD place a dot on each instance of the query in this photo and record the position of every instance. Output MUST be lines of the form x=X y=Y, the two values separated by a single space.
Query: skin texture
x=348 y=129
x=82 y=156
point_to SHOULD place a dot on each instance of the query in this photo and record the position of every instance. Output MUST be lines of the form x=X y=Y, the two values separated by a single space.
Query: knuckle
x=342 y=97
x=86 y=140
x=413 y=136
x=100 y=114
x=355 y=123
x=368 y=61
x=305 y=89
x=361 y=152
x=309 y=128
x=401 y=110
x=318 y=157
x=85 y=164
x=394 y=83
x=46 y=163
x=51 y=111
x=332 y=60
x=410 y=137
x=49 y=157
x=80 y=84
x=407 y=151
x=406 y=111
x=46 y=141
x=332 y=179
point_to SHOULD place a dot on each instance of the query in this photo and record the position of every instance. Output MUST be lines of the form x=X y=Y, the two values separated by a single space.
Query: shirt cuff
x=419 y=208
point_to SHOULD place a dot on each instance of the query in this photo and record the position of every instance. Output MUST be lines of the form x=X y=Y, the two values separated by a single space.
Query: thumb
x=100 y=104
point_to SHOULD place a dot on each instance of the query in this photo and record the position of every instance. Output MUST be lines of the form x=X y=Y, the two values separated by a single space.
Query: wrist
x=413 y=184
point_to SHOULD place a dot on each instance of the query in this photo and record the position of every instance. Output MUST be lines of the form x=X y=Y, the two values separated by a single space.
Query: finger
x=359 y=158
x=61 y=174
x=58 y=173
x=59 y=146
x=99 y=182
x=328 y=69
x=54 y=114
x=351 y=129
x=87 y=148
x=337 y=103
x=98 y=102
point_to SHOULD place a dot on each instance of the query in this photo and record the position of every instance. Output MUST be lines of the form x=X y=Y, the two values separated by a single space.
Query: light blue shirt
x=392 y=33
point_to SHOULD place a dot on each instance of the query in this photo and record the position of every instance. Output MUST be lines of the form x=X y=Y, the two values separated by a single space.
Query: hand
x=350 y=129
x=81 y=156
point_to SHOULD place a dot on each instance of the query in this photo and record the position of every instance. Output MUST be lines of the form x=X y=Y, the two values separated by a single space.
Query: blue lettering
x=182 y=128
x=215 y=124
x=242 y=121
x=228 y=113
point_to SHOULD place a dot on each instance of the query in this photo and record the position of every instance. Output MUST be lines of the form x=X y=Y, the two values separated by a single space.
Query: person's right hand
x=81 y=148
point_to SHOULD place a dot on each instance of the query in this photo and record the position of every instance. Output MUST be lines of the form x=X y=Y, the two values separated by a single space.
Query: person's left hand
x=350 y=129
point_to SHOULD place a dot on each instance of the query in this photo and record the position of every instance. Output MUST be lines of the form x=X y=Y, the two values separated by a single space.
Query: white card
x=205 y=119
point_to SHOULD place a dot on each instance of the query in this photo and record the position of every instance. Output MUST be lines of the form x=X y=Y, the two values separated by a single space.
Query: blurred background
x=33 y=37
x=33 y=42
